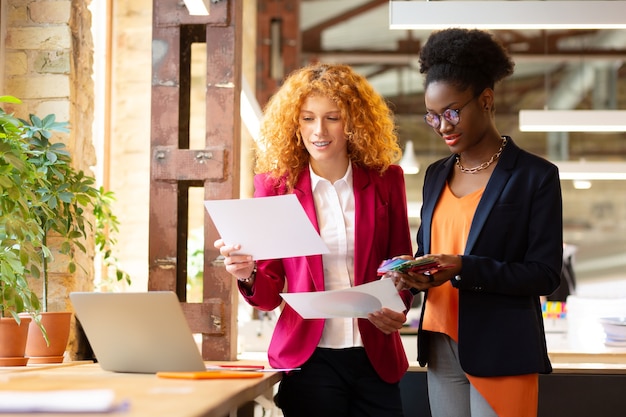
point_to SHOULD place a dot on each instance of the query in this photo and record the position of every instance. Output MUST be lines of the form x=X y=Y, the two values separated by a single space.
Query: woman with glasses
x=492 y=220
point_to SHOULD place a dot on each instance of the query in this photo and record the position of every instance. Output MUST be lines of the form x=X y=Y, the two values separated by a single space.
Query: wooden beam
x=175 y=168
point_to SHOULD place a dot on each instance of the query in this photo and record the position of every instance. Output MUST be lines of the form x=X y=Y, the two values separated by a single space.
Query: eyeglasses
x=452 y=116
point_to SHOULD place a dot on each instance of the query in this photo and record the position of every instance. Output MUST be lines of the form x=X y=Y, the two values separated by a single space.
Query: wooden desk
x=146 y=394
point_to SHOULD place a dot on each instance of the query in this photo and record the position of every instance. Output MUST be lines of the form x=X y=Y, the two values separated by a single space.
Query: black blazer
x=513 y=255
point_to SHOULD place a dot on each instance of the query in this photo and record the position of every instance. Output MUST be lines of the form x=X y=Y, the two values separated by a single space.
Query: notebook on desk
x=139 y=332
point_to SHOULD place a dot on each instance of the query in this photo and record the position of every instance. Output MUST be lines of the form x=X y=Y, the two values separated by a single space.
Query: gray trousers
x=449 y=391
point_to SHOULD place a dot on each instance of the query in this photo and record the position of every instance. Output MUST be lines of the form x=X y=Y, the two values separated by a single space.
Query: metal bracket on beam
x=173 y=164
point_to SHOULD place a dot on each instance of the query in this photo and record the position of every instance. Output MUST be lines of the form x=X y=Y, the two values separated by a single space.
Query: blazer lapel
x=364 y=212
x=304 y=193
x=493 y=190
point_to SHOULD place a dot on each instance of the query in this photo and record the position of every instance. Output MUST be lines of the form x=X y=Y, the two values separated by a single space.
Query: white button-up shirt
x=334 y=204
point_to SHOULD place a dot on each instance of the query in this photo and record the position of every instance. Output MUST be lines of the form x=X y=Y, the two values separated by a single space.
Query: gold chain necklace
x=484 y=165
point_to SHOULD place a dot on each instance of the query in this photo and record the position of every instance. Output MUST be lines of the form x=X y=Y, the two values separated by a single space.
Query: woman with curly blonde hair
x=329 y=138
x=369 y=126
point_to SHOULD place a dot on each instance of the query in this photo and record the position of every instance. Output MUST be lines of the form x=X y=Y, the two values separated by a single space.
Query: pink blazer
x=382 y=231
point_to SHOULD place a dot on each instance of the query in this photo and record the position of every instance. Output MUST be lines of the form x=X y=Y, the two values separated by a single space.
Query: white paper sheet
x=266 y=227
x=350 y=302
x=59 y=401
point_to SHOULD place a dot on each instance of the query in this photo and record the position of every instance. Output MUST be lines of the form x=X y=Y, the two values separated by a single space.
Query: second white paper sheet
x=356 y=301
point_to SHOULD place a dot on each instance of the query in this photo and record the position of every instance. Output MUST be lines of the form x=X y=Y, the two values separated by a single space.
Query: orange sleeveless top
x=509 y=396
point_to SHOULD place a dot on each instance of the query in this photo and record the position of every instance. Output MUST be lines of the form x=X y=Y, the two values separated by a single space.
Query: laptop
x=137 y=332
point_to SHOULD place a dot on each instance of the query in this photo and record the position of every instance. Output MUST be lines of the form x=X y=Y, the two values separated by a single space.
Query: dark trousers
x=338 y=383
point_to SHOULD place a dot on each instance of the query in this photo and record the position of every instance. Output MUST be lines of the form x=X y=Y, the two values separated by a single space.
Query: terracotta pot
x=13 y=341
x=57 y=325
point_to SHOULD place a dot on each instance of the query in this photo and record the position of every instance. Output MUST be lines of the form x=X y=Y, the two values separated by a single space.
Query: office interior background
x=565 y=69
x=555 y=68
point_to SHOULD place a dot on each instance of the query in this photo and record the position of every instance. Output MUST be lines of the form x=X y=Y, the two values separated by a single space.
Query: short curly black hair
x=465 y=58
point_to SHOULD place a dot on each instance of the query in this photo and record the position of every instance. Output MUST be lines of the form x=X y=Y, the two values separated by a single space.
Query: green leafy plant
x=42 y=194
x=21 y=235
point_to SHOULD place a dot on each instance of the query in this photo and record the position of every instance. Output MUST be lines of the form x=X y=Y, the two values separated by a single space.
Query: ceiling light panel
x=572 y=120
x=513 y=15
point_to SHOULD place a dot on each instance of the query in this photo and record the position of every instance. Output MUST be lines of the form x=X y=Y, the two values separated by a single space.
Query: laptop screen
x=140 y=332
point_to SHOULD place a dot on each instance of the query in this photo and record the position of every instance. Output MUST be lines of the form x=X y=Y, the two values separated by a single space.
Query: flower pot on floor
x=13 y=341
x=57 y=325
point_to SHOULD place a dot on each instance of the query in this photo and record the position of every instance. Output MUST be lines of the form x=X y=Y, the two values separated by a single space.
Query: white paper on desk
x=58 y=401
x=266 y=227
x=350 y=302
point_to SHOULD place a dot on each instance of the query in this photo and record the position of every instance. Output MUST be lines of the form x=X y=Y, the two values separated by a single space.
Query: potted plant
x=20 y=239
x=67 y=205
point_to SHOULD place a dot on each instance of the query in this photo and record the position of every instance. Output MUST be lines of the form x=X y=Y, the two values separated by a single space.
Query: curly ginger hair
x=369 y=123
